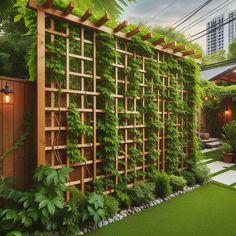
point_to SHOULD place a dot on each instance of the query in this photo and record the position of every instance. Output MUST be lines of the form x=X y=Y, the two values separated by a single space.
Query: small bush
x=124 y=199
x=162 y=185
x=177 y=182
x=189 y=176
x=141 y=193
x=202 y=174
x=111 y=205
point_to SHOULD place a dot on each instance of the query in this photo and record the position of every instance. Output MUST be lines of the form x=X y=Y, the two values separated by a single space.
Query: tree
x=232 y=50
x=214 y=57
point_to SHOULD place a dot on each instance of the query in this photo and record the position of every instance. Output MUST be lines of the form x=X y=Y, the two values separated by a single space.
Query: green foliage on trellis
x=106 y=55
x=75 y=129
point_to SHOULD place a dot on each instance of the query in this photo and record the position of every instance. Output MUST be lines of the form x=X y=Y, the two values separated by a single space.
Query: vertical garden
x=113 y=111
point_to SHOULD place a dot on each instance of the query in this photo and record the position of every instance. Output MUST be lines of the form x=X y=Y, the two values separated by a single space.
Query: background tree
x=214 y=57
x=232 y=50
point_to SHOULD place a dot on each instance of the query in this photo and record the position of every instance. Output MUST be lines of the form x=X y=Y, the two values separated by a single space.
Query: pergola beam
x=133 y=32
x=180 y=49
x=69 y=8
x=48 y=3
x=159 y=41
x=147 y=37
x=104 y=19
x=188 y=53
x=121 y=26
x=86 y=15
x=170 y=45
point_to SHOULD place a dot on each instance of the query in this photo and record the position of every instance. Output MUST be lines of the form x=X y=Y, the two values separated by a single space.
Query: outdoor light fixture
x=206 y=98
x=6 y=91
x=226 y=111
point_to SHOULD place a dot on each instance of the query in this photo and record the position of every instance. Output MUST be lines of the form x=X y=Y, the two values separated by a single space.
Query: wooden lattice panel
x=79 y=84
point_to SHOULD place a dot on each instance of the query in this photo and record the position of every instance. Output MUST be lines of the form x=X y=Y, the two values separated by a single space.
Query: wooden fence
x=22 y=101
x=83 y=84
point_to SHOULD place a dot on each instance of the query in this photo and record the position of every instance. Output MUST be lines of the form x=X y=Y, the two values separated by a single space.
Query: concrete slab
x=209 y=149
x=218 y=166
x=227 y=178
x=205 y=160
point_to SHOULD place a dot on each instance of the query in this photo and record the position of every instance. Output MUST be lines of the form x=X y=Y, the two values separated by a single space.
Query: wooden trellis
x=82 y=85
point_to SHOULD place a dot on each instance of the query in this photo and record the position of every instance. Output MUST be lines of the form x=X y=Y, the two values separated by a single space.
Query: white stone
x=228 y=177
x=218 y=166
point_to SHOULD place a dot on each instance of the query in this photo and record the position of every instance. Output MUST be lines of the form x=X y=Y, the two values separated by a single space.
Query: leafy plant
x=96 y=208
x=75 y=129
x=202 y=174
x=162 y=185
x=41 y=208
x=177 y=182
x=189 y=177
x=227 y=148
x=141 y=193
x=229 y=134
x=111 y=205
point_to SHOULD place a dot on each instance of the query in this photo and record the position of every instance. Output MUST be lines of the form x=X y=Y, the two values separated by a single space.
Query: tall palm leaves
x=229 y=134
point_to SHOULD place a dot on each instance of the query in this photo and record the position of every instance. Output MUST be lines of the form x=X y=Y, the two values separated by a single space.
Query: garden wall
x=138 y=105
x=22 y=102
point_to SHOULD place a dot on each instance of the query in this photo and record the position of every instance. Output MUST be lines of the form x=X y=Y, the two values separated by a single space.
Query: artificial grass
x=207 y=211
x=214 y=155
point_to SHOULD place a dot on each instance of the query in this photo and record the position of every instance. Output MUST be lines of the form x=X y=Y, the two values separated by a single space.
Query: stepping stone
x=228 y=177
x=210 y=140
x=209 y=149
x=205 y=160
x=218 y=166
x=213 y=144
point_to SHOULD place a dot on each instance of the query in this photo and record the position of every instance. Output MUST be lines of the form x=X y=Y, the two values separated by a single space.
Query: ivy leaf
x=18 y=18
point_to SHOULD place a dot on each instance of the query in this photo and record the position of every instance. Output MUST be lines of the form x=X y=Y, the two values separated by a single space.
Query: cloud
x=155 y=12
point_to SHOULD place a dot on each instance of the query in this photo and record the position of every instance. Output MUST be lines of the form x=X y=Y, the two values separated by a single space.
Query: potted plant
x=229 y=137
x=227 y=153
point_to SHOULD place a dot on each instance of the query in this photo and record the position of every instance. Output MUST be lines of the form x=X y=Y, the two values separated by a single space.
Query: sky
x=166 y=12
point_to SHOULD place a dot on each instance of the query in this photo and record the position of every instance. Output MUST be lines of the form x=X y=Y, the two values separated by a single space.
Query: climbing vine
x=106 y=55
x=75 y=129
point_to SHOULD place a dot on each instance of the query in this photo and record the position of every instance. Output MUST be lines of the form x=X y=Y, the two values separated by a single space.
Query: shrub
x=189 y=176
x=177 y=182
x=124 y=199
x=96 y=210
x=227 y=148
x=162 y=185
x=202 y=174
x=141 y=193
x=111 y=205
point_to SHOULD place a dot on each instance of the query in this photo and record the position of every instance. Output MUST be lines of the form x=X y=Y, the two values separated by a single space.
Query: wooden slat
x=188 y=53
x=159 y=41
x=86 y=15
x=170 y=45
x=121 y=26
x=1 y=127
x=147 y=37
x=198 y=56
x=69 y=8
x=40 y=87
x=104 y=19
x=133 y=32
x=19 y=154
x=179 y=49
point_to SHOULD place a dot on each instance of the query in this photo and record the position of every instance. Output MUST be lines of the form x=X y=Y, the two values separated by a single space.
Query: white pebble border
x=133 y=210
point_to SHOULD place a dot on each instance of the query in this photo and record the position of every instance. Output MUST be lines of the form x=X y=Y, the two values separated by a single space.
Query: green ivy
x=75 y=129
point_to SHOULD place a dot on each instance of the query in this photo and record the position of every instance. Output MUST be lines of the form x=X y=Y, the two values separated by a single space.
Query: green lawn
x=207 y=211
x=214 y=155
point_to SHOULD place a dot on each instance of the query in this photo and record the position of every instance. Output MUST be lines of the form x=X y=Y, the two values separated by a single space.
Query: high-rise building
x=215 y=35
x=232 y=27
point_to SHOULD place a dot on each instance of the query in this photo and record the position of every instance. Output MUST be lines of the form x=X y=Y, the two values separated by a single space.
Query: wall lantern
x=206 y=98
x=6 y=94
x=226 y=111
